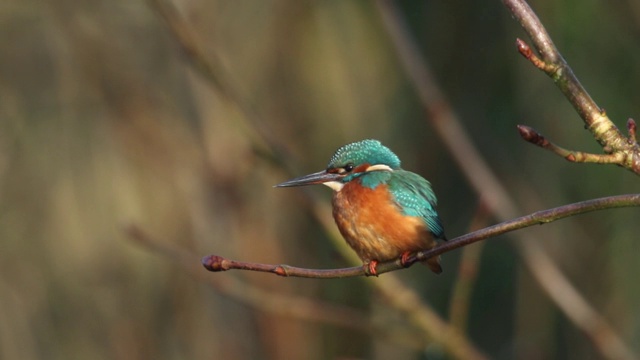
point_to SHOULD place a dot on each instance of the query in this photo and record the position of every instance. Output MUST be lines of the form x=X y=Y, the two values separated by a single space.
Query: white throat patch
x=335 y=185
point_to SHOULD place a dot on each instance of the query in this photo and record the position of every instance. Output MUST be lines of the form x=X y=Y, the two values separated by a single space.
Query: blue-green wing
x=414 y=195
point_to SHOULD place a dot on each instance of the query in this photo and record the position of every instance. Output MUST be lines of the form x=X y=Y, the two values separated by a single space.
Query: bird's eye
x=349 y=167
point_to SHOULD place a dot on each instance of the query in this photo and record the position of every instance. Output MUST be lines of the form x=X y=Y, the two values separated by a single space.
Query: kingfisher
x=381 y=210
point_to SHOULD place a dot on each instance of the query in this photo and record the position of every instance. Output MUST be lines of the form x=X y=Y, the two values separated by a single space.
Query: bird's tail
x=433 y=264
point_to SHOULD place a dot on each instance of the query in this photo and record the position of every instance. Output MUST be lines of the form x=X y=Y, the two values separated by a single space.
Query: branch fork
x=216 y=263
x=618 y=149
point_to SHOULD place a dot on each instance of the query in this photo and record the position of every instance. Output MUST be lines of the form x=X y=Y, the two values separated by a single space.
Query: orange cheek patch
x=361 y=168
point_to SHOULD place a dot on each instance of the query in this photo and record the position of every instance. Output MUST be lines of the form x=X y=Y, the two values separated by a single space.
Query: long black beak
x=320 y=177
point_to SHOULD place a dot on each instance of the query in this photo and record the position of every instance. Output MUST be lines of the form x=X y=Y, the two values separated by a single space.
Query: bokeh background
x=106 y=122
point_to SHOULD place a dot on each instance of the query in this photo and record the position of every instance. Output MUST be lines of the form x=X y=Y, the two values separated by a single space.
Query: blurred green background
x=104 y=123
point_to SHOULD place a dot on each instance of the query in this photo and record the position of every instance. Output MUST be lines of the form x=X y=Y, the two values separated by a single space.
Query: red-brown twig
x=288 y=305
x=475 y=168
x=469 y=159
x=217 y=263
x=531 y=135
x=398 y=295
x=262 y=299
x=617 y=148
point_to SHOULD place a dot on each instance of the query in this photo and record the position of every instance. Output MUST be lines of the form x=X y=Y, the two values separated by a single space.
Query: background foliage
x=103 y=123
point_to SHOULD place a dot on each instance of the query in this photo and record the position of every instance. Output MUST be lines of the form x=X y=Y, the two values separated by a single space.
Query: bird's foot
x=370 y=268
x=404 y=259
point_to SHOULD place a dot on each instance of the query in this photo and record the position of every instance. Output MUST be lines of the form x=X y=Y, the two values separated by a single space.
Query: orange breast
x=374 y=226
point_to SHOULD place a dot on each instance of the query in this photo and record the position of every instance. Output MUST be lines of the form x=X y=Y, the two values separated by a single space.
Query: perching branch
x=272 y=302
x=472 y=164
x=618 y=149
x=489 y=187
x=398 y=295
x=217 y=263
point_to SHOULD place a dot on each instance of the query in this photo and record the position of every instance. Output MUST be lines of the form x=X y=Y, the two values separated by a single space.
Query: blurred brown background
x=104 y=123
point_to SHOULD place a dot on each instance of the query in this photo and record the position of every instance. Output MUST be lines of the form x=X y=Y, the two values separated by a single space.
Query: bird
x=382 y=211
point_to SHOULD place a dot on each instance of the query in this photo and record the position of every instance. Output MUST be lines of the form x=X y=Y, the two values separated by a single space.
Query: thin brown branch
x=627 y=153
x=271 y=302
x=420 y=313
x=217 y=263
x=404 y=298
x=283 y=304
x=452 y=133
x=491 y=190
x=531 y=135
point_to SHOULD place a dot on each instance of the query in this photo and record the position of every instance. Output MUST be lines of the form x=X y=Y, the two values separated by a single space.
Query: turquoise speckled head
x=369 y=151
x=367 y=160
